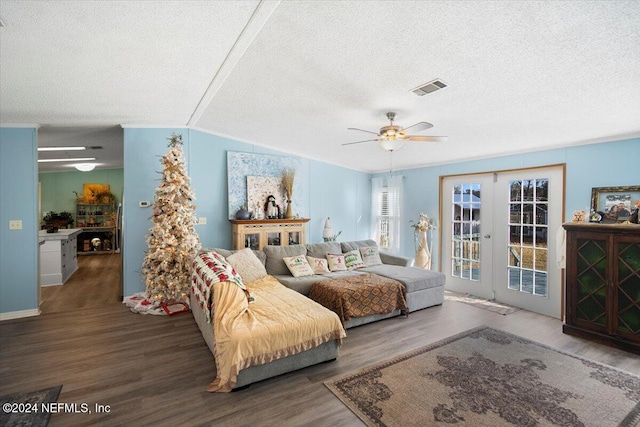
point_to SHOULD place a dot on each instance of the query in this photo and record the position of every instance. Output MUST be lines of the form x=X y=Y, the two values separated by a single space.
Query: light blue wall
x=587 y=166
x=18 y=201
x=56 y=188
x=342 y=194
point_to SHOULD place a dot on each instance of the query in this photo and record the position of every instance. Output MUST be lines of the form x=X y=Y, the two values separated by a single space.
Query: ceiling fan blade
x=418 y=127
x=362 y=130
x=422 y=138
x=359 y=142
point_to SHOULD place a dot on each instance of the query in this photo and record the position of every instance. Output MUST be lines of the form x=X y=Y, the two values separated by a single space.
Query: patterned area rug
x=26 y=409
x=486 y=377
x=496 y=307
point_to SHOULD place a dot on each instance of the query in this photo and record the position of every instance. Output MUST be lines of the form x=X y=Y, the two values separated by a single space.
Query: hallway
x=96 y=283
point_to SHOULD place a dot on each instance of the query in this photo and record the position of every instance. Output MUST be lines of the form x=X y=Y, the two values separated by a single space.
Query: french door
x=499 y=233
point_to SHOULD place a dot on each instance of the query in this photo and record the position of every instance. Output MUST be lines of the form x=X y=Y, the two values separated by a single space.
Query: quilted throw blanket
x=280 y=323
x=210 y=267
x=359 y=296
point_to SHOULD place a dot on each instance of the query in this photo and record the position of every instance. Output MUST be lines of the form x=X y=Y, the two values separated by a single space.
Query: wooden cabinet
x=98 y=223
x=603 y=283
x=258 y=233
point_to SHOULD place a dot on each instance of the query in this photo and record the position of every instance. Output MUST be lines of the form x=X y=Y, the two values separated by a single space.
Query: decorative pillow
x=353 y=260
x=298 y=266
x=370 y=256
x=336 y=262
x=274 y=264
x=318 y=265
x=247 y=265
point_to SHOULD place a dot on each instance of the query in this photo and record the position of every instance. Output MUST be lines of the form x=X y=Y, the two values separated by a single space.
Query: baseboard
x=19 y=314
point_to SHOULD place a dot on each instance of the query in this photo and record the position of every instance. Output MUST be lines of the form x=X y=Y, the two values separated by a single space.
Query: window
x=386 y=194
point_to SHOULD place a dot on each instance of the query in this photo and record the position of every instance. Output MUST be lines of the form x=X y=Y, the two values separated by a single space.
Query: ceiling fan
x=393 y=137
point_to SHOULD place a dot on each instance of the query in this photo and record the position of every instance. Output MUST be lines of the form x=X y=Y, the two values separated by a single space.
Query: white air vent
x=432 y=86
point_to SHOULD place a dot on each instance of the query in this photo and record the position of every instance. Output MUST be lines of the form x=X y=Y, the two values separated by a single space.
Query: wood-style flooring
x=154 y=370
x=96 y=283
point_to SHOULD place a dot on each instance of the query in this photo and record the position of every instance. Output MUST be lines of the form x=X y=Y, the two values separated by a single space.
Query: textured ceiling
x=292 y=75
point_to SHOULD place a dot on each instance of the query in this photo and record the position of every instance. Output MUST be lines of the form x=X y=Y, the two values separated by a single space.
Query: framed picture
x=614 y=204
x=91 y=191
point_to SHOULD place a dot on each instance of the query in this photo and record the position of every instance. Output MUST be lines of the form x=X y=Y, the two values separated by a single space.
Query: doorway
x=498 y=236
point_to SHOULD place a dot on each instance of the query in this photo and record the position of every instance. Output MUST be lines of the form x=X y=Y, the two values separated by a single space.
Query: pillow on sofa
x=228 y=252
x=318 y=265
x=298 y=266
x=247 y=265
x=370 y=256
x=336 y=262
x=320 y=250
x=356 y=244
x=274 y=264
x=353 y=260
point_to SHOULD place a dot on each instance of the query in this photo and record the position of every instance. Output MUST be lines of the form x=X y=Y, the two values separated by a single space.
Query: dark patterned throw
x=487 y=377
x=359 y=296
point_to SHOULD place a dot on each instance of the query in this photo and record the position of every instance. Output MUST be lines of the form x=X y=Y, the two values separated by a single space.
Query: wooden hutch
x=603 y=283
x=258 y=233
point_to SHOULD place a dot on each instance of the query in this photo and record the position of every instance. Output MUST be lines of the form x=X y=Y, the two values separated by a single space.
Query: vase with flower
x=421 y=241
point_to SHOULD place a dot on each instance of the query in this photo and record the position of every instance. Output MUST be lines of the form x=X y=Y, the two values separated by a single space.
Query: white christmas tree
x=172 y=242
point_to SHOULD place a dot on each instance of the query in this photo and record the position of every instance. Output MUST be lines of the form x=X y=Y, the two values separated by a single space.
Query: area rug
x=28 y=409
x=496 y=307
x=487 y=377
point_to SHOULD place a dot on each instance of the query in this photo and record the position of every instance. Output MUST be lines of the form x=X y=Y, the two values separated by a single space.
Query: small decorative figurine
x=271 y=208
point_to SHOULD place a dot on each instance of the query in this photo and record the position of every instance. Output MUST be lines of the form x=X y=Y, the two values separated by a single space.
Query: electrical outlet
x=202 y=220
x=15 y=224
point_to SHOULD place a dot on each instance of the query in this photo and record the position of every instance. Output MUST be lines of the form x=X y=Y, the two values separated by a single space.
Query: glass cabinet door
x=273 y=239
x=294 y=238
x=591 y=286
x=628 y=289
x=252 y=241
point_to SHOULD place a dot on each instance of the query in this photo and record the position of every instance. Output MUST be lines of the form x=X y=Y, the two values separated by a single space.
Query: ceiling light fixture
x=61 y=148
x=85 y=167
x=391 y=144
x=68 y=159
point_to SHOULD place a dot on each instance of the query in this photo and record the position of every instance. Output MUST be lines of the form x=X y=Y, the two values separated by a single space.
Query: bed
x=258 y=330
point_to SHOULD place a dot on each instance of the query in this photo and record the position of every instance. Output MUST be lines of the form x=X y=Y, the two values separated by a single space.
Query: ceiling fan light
x=391 y=144
x=85 y=167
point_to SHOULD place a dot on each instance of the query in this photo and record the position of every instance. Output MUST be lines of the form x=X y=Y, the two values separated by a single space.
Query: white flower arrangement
x=424 y=223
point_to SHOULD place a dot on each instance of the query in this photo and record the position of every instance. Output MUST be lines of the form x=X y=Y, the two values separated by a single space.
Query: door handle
x=487 y=236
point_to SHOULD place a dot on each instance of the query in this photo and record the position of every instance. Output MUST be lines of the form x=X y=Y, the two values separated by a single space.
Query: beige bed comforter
x=280 y=322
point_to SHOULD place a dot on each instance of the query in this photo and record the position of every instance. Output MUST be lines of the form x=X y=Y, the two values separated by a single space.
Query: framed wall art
x=615 y=204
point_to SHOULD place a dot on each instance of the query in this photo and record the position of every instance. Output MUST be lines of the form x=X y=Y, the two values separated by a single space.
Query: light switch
x=15 y=224
x=202 y=220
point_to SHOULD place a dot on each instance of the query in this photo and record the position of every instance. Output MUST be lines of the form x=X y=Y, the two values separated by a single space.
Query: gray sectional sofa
x=425 y=288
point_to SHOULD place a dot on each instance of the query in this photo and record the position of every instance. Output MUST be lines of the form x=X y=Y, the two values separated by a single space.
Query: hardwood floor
x=96 y=283
x=154 y=370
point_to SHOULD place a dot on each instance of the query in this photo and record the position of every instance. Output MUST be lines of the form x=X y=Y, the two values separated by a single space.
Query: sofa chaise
x=424 y=288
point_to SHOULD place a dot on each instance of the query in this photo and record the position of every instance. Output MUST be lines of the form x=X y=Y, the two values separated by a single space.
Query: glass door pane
x=294 y=238
x=528 y=234
x=465 y=231
x=252 y=241
x=273 y=239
